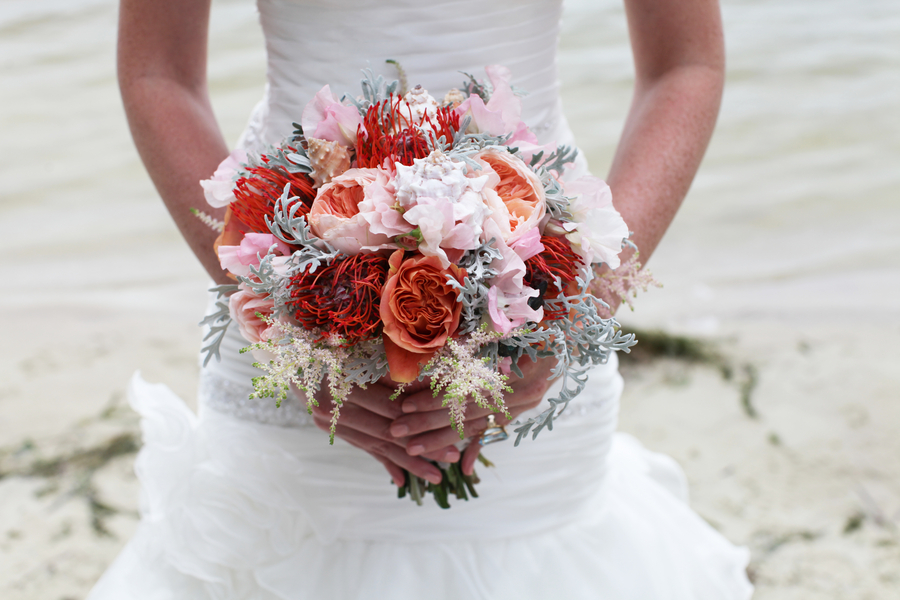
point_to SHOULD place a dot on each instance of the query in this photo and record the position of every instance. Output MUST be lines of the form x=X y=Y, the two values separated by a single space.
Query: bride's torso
x=311 y=43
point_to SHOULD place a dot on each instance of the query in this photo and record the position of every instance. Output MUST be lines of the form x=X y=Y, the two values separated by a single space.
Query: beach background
x=768 y=365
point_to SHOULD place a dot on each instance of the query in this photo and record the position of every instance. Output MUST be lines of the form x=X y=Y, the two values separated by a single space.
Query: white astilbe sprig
x=462 y=376
x=208 y=220
x=624 y=282
x=300 y=357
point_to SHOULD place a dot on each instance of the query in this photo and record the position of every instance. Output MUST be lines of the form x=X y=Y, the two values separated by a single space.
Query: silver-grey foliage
x=579 y=344
x=556 y=160
x=482 y=89
x=374 y=90
x=218 y=322
x=556 y=201
x=291 y=228
x=473 y=291
x=363 y=371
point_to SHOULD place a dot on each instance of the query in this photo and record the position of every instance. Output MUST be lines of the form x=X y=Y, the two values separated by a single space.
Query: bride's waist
x=541 y=485
x=227 y=388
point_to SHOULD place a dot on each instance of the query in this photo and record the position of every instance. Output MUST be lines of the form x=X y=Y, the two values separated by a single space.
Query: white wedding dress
x=249 y=501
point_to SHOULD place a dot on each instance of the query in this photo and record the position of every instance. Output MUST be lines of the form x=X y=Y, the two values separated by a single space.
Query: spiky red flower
x=557 y=260
x=257 y=192
x=388 y=132
x=342 y=298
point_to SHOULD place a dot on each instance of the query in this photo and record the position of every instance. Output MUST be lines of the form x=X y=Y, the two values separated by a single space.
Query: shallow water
x=795 y=213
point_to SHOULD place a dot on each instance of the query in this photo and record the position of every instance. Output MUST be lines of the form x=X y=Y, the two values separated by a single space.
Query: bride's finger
x=440 y=438
x=415 y=423
x=375 y=398
x=470 y=455
x=398 y=476
x=358 y=419
x=391 y=452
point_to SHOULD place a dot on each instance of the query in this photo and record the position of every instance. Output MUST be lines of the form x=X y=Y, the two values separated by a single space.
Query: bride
x=246 y=501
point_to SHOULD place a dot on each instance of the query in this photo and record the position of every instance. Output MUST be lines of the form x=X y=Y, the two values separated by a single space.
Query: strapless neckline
x=311 y=44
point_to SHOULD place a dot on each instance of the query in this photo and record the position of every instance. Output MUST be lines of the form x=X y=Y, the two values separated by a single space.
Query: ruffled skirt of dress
x=235 y=509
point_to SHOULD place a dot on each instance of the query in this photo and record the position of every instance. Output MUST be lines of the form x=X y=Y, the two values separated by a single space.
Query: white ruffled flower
x=446 y=206
x=599 y=230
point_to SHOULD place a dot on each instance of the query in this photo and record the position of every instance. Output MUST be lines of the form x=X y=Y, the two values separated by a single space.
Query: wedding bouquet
x=397 y=234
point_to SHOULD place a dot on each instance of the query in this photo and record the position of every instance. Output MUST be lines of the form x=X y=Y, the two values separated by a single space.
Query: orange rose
x=419 y=311
x=518 y=188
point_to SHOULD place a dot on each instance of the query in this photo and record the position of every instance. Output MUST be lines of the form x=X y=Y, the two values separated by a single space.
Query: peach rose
x=522 y=203
x=419 y=311
x=335 y=218
x=243 y=306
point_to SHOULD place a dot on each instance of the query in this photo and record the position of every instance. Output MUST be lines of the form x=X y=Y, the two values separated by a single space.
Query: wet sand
x=785 y=261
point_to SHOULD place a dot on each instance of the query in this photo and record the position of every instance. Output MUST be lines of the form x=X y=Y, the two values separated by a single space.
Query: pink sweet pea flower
x=238 y=259
x=509 y=312
x=503 y=112
x=380 y=208
x=441 y=228
x=599 y=230
x=219 y=188
x=508 y=295
x=325 y=118
x=528 y=245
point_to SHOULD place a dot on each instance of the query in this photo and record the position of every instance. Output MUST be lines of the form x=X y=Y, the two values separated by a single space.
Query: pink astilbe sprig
x=300 y=357
x=462 y=376
x=624 y=282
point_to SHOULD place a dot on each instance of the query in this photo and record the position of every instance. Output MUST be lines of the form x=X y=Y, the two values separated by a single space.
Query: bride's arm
x=162 y=77
x=679 y=58
x=680 y=69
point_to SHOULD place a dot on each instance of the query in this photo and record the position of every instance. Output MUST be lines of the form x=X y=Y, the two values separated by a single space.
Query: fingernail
x=451 y=456
x=408 y=407
x=415 y=450
x=399 y=430
x=434 y=478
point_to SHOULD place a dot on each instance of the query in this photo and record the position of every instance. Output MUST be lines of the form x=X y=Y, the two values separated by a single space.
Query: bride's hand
x=365 y=422
x=424 y=424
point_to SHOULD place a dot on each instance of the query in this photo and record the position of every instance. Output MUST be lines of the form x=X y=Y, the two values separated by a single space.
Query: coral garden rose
x=335 y=217
x=244 y=306
x=522 y=202
x=419 y=310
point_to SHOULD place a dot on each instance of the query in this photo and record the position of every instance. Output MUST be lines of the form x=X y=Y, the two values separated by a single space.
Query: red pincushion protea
x=557 y=260
x=386 y=133
x=342 y=298
x=256 y=193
